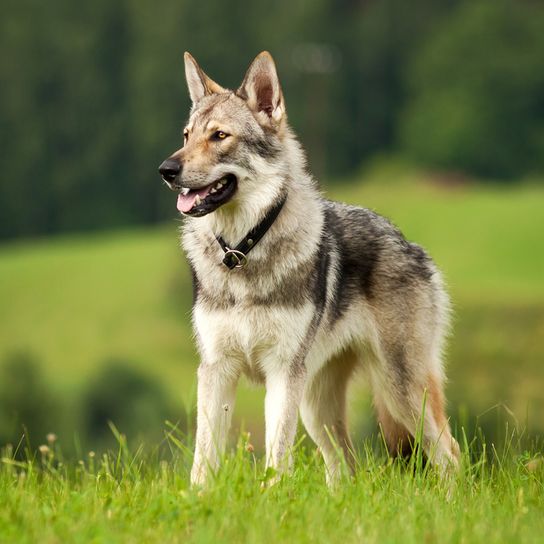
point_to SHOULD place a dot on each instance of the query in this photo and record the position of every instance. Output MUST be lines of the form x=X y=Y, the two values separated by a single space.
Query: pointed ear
x=262 y=91
x=199 y=83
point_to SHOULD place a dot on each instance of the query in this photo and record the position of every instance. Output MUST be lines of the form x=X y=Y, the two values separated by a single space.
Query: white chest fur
x=257 y=340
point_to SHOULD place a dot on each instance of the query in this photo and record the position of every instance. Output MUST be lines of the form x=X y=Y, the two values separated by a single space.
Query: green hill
x=76 y=302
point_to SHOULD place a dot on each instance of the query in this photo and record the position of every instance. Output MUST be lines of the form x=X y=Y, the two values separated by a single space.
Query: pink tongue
x=186 y=202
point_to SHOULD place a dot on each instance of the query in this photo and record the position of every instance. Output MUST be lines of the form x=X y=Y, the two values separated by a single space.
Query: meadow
x=75 y=303
x=124 y=497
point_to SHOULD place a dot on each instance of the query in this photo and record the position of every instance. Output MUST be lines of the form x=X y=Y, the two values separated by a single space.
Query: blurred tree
x=92 y=96
x=26 y=403
x=478 y=91
x=64 y=136
x=382 y=40
x=132 y=401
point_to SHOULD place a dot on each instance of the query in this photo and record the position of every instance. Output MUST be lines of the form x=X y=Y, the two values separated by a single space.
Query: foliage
x=27 y=406
x=118 y=395
x=92 y=97
x=125 y=397
x=478 y=91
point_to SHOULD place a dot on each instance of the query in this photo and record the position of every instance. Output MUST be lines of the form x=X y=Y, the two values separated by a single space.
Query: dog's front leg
x=215 y=403
x=283 y=395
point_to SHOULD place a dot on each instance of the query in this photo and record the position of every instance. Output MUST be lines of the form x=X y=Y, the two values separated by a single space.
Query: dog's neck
x=294 y=235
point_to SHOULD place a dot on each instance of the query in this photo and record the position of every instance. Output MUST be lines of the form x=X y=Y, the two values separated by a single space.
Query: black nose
x=170 y=169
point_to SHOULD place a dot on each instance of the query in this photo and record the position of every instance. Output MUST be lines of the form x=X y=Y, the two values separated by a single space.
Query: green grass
x=77 y=302
x=497 y=497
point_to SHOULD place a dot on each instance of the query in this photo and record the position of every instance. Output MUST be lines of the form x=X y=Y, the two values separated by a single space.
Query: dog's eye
x=219 y=135
x=185 y=135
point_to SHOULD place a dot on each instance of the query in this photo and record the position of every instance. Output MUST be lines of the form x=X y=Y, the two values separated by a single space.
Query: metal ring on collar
x=238 y=256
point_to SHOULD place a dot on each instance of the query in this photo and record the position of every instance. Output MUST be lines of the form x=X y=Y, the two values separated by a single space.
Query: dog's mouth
x=199 y=202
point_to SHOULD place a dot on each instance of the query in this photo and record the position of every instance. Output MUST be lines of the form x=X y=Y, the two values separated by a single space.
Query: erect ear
x=199 y=83
x=262 y=91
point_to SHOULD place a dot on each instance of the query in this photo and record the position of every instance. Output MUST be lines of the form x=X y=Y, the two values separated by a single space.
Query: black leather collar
x=237 y=257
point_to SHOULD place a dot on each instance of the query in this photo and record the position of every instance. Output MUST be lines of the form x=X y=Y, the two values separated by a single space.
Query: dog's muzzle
x=170 y=169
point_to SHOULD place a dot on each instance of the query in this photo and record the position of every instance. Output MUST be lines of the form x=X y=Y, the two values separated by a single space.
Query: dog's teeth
x=185 y=190
x=213 y=190
x=219 y=184
x=197 y=200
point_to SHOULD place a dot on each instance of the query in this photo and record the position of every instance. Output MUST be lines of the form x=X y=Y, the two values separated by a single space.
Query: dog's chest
x=256 y=337
x=257 y=316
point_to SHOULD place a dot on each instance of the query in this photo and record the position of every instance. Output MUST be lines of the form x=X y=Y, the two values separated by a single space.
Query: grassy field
x=497 y=497
x=75 y=303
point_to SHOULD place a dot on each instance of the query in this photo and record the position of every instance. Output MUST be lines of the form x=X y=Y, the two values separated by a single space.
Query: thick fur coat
x=328 y=289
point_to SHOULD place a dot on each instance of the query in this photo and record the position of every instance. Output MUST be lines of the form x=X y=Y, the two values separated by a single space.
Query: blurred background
x=430 y=112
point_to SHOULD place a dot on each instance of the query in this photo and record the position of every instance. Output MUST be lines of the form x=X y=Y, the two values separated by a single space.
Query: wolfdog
x=297 y=291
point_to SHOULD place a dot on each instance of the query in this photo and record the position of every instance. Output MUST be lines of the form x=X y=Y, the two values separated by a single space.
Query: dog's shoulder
x=361 y=231
x=372 y=250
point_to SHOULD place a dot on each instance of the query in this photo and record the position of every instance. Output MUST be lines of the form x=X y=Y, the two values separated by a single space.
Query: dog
x=296 y=291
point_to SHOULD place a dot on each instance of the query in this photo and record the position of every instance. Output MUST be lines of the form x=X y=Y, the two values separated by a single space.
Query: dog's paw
x=270 y=478
x=199 y=476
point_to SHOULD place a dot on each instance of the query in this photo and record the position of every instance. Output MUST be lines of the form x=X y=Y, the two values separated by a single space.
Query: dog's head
x=232 y=138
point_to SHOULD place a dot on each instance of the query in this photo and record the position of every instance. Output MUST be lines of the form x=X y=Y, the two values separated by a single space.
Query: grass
x=497 y=497
x=79 y=301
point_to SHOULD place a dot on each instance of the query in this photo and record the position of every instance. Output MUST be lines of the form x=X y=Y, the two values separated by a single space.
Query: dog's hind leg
x=323 y=412
x=397 y=438
x=411 y=404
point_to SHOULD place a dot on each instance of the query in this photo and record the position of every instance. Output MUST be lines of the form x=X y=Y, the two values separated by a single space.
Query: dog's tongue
x=186 y=202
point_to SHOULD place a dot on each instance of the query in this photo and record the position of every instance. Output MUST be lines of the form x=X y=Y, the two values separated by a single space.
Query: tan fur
x=399 y=441
x=397 y=438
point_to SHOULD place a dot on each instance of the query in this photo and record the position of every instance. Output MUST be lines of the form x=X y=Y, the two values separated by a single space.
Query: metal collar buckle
x=237 y=258
x=234 y=258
